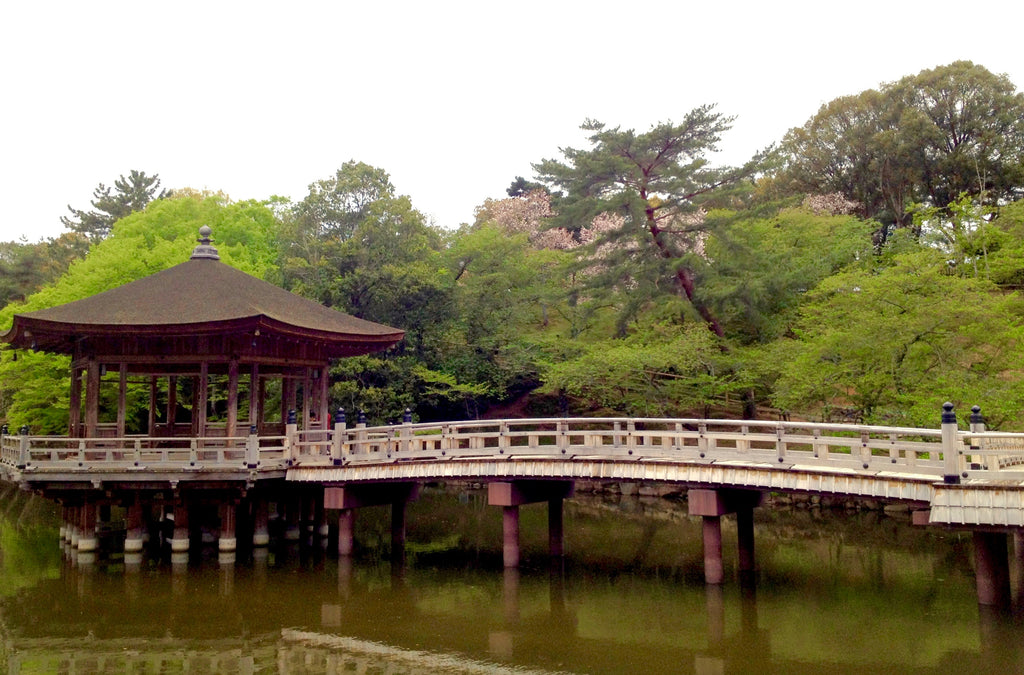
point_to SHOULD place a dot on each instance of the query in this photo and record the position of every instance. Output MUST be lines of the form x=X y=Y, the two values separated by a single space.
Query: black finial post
x=362 y=417
x=948 y=416
x=407 y=417
x=339 y=416
x=293 y=417
x=976 y=416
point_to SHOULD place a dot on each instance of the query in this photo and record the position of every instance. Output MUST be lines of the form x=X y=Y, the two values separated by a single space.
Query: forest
x=865 y=268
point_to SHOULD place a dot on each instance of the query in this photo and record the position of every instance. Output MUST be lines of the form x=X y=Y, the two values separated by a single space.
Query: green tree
x=891 y=344
x=926 y=139
x=653 y=186
x=110 y=204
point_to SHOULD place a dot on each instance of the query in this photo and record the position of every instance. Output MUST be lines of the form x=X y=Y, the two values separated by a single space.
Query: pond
x=836 y=591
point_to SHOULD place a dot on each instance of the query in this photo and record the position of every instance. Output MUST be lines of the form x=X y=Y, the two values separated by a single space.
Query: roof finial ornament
x=205 y=250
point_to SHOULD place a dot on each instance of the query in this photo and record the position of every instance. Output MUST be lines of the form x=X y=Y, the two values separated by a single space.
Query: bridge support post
x=261 y=522
x=556 y=529
x=992 y=568
x=179 y=539
x=346 y=528
x=228 y=515
x=398 y=530
x=133 y=539
x=87 y=537
x=350 y=497
x=711 y=505
x=510 y=536
x=510 y=496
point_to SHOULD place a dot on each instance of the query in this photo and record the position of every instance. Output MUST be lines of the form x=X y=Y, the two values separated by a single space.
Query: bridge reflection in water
x=857 y=594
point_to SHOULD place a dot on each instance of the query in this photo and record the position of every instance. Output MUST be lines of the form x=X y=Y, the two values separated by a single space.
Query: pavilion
x=214 y=347
x=199 y=319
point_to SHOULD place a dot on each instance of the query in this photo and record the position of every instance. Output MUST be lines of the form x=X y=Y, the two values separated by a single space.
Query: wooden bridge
x=950 y=477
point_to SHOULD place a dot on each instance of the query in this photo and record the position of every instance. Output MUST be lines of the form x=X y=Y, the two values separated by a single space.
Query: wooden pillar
x=201 y=397
x=134 y=536
x=180 y=539
x=92 y=397
x=172 y=403
x=153 y=388
x=556 y=537
x=231 y=424
x=288 y=396
x=992 y=568
x=255 y=396
x=122 y=398
x=307 y=399
x=398 y=530
x=261 y=522
x=87 y=536
x=745 y=536
x=346 y=531
x=228 y=513
x=292 y=518
x=325 y=412
x=510 y=536
x=75 y=404
x=714 y=571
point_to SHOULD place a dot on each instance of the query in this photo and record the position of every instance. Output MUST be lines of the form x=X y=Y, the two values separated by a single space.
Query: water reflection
x=836 y=593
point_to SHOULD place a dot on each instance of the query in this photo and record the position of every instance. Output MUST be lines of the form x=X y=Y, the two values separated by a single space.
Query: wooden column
x=325 y=412
x=556 y=536
x=261 y=522
x=179 y=540
x=87 y=536
x=288 y=396
x=75 y=403
x=346 y=529
x=398 y=530
x=745 y=537
x=255 y=397
x=992 y=568
x=231 y=425
x=714 y=571
x=228 y=513
x=134 y=537
x=510 y=536
x=122 y=398
x=154 y=385
x=172 y=403
x=201 y=399
x=307 y=399
x=92 y=398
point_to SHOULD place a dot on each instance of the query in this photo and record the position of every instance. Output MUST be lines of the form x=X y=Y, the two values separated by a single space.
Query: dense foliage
x=869 y=271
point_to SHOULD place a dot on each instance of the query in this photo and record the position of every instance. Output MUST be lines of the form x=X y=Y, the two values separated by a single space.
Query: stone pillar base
x=86 y=544
x=133 y=544
x=227 y=544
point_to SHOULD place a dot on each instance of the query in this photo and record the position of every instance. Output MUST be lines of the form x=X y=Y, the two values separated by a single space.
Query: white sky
x=453 y=99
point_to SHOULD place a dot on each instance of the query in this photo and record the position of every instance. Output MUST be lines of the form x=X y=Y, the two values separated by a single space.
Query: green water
x=836 y=592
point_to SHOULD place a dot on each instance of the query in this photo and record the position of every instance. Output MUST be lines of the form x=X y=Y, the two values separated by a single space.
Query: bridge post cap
x=339 y=416
x=292 y=417
x=948 y=416
x=407 y=416
x=362 y=417
x=976 y=416
x=23 y=430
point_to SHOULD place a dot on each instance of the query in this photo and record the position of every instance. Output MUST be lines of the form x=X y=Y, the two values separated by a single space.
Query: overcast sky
x=453 y=99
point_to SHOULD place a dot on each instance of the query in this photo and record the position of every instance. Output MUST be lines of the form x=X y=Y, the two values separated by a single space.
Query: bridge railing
x=784 y=444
